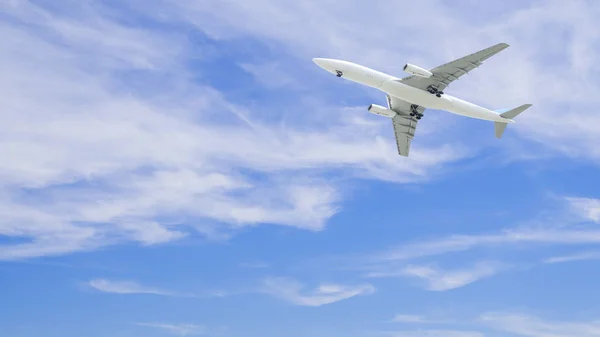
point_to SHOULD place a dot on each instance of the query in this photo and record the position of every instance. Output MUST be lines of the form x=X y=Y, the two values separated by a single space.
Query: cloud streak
x=400 y=318
x=434 y=333
x=111 y=141
x=127 y=288
x=458 y=243
x=399 y=261
x=441 y=280
x=589 y=208
x=177 y=329
x=436 y=279
x=287 y=289
x=294 y=292
x=581 y=256
x=311 y=32
x=518 y=324
x=526 y=325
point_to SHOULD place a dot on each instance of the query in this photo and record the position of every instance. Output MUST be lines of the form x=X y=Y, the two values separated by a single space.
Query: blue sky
x=181 y=168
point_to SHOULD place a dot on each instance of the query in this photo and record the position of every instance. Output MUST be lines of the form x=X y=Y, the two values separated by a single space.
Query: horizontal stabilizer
x=510 y=114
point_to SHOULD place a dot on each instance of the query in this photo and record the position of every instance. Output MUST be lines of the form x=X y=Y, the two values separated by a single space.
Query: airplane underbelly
x=445 y=102
x=461 y=107
x=416 y=96
x=369 y=79
x=365 y=76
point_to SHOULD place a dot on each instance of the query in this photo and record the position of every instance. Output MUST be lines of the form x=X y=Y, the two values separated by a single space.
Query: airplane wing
x=451 y=71
x=404 y=124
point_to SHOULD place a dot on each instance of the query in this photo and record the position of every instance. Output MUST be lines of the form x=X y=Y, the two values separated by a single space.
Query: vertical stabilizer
x=499 y=127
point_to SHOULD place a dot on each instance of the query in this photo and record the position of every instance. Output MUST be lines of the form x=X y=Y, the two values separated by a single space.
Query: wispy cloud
x=400 y=262
x=433 y=333
x=400 y=318
x=287 y=289
x=271 y=75
x=580 y=256
x=309 y=33
x=518 y=324
x=294 y=292
x=457 y=243
x=121 y=145
x=529 y=326
x=165 y=135
x=421 y=320
x=178 y=329
x=127 y=287
x=255 y=265
x=436 y=279
x=404 y=318
x=559 y=230
x=589 y=208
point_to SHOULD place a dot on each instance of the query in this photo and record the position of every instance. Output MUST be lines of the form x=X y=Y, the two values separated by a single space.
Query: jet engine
x=417 y=71
x=381 y=111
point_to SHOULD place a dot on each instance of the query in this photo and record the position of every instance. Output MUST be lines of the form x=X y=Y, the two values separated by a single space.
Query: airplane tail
x=499 y=127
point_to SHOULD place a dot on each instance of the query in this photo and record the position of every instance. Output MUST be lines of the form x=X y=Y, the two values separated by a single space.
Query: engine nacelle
x=417 y=71
x=381 y=111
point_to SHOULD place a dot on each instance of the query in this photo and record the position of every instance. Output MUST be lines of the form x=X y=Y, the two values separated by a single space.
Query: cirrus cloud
x=111 y=141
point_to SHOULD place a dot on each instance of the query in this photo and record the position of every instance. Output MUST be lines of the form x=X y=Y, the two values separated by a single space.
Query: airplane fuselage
x=393 y=86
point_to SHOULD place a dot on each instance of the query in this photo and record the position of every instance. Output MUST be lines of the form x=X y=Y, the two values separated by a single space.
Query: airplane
x=408 y=97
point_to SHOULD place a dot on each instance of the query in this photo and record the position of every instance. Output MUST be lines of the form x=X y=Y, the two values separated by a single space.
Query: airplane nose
x=321 y=62
x=331 y=65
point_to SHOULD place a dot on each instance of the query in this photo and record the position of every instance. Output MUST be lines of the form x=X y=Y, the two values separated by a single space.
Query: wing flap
x=404 y=124
x=404 y=133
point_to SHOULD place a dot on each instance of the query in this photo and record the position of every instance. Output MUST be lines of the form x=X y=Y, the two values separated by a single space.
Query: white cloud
x=286 y=289
x=436 y=279
x=457 y=243
x=553 y=71
x=420 y=320
x=255 y=265
x=294 y=292
x=588 y=207
x=102 y=157
x=127 y=287
x=110 y=141
x=560 y=229
x=517 y=324
x=271 y=75
x=178 y=329
x=434 y=333
x=400 y=318
x=525 y=325
x=580 y=256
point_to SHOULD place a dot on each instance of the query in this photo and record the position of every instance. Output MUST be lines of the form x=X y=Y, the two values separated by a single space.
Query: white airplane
x=408 y=97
